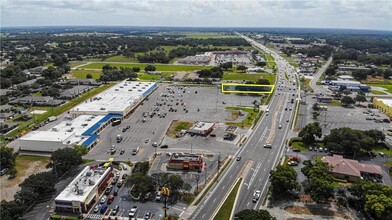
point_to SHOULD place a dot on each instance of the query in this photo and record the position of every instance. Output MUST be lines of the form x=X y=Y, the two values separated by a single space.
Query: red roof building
x=351 y=170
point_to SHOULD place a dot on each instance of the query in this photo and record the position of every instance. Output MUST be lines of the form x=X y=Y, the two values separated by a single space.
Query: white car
x=256 y=195
x=103 y=199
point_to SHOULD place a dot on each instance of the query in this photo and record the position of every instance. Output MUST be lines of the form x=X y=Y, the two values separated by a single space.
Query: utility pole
x=197 y=182
x=205 y=173
x=219 y=162
x=165 y=192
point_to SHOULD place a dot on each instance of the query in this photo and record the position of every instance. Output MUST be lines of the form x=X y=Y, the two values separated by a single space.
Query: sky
x=353 y=14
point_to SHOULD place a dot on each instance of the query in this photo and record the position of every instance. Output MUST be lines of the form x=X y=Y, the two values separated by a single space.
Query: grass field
x=25 y=126
x=36 y=94
x=271 y=61
x=227 y=207
x=83 y=73
x=306 y=84
x=386 y=86
x=242 y=76
x=26 y=165
x=382 y=149
x=377 y=92
x=159 y=67
x=248 y=121
x=289 y=59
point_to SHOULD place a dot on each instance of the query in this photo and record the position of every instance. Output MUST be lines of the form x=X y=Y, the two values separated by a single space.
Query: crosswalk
x=94 y=216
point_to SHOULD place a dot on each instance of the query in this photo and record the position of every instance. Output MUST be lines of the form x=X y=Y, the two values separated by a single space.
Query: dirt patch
x=177 y=126
x=294 y=209
x=26 y=166
x=234 y=116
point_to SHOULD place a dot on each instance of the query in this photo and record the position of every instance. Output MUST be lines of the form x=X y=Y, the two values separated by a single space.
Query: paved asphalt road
x=316 y=77
x=254 y=155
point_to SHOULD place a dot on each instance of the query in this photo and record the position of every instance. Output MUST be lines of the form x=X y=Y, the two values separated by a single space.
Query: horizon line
x=222 y=27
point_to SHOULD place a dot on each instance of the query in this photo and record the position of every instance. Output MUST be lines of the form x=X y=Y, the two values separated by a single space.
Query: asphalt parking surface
x=208 y=104
x=337 y=117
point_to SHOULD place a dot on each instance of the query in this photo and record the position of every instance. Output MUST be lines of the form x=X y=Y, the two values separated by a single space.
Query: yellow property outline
x=250 y=92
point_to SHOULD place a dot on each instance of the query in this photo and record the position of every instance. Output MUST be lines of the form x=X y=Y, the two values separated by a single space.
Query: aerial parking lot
x=149 y=122
x=354 y=118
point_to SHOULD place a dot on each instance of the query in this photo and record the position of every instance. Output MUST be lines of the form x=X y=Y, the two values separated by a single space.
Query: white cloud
x=370 y=14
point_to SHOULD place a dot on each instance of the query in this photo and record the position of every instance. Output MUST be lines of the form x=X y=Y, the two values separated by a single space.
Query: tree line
x=41 y=186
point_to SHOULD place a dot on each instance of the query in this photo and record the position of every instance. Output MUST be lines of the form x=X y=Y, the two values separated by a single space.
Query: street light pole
x=197 y=182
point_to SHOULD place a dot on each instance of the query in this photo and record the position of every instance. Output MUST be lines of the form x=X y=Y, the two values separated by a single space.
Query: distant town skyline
x=359 y=14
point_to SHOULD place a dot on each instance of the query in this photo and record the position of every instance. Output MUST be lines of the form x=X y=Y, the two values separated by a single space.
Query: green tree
x=261 y=64
x=347 y=100
x=142 y=182
x=316 y=107
x=64 y=159
x=89 y=76
x=7 y=157
x=319 y=184
x=263 y=82
x=360 y=98
x=227 y=65
x=80 y=149
x=11 y=210
x=242 y=68
x=136 y=69
x=373 y=198
x=248 y=214
x=376 y=135
x=283 y=180
x=149 y=68
x=310 y=132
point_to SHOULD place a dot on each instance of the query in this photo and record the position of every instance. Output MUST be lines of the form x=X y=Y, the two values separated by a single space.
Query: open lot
x=207 y=105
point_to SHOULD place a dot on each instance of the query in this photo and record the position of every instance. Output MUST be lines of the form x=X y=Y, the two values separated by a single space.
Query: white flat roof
x=65 y=131
x=116 y=99
x=387 y=102
x=202 y=126
x=80 y=188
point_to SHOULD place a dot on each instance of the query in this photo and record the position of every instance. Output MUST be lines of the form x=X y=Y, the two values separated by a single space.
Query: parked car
x=381 y=154
x=115 y=210
x=133 y=212
x=115 y=192
x=120 y=183
x=103 y=199
x=103 y=209
x=147 y=215
x=108 y=189
x=110 y=199
x=238 y=158
x=4 y=171
x=158 y=197
x=97 y=208
x=164 y=146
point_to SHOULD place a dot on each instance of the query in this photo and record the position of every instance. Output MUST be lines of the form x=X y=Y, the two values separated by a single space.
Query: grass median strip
x=225 y=211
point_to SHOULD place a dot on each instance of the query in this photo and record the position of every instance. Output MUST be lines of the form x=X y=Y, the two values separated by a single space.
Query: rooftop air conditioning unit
x=116 y=90
x=68 y=124
x=80 y=192
x=102 y=108
x=91 y=182
x=55 y=129
x=88 y=174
